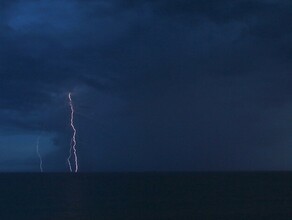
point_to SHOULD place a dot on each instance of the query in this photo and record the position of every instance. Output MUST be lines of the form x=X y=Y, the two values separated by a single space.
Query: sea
x=147 y=196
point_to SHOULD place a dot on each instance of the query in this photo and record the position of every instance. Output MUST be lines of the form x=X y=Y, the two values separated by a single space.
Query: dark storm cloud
x=165 y=84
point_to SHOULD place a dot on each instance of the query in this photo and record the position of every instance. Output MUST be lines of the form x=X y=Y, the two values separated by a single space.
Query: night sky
x=158 y=85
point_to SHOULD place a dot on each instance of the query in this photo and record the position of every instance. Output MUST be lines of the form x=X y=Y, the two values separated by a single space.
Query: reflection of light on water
x=73 y=199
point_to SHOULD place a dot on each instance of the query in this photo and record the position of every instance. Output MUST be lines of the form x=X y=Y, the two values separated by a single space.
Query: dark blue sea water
x=151 y=196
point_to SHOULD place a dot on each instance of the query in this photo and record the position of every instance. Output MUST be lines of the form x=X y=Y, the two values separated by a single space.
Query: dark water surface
x=151 y=196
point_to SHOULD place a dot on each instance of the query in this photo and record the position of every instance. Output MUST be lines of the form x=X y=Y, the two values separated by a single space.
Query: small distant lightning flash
x=38 y=153
x=73 y=139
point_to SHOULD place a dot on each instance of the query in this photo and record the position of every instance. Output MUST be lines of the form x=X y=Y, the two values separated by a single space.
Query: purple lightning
x=73 y=139
x=38 y=153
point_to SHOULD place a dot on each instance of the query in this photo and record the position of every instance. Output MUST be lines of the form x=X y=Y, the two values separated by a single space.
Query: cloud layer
x=158 y=85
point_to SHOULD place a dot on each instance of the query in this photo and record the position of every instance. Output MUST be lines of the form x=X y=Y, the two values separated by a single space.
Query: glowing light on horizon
x=73 y=139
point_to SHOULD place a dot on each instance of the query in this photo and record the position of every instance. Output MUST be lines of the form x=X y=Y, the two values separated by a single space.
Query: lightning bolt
x=38 y=153
x=73 y=139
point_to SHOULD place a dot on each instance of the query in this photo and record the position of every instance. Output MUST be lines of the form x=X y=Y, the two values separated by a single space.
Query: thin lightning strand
x=73 y=139
x=39 y=155
x=70 y=155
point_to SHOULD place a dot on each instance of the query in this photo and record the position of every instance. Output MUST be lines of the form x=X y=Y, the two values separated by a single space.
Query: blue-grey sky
x=158 y=85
